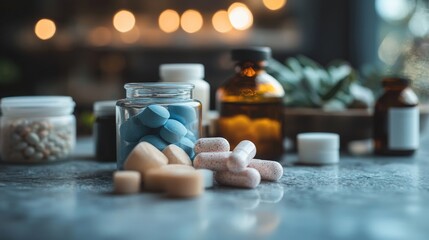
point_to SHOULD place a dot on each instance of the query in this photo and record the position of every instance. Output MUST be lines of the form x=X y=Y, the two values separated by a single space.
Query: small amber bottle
x=396 y=119
x=250 y=102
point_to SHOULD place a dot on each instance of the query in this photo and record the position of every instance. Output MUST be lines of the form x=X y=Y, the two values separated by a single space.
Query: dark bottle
x=105 y=131
x=396 y=119
x=250 y=103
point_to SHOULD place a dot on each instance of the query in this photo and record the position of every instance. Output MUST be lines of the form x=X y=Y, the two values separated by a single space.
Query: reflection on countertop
x=363 y=197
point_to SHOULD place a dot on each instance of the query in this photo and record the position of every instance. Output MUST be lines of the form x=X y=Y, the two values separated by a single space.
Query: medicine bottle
x=157 y=113
x=250 y=104
x=36 y=129
x=190 y=73
x=104 y=131
x=396 y=119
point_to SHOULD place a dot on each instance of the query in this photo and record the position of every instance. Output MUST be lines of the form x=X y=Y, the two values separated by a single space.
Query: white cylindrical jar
x=37 y=129
x=190 y=73
x=318 y=148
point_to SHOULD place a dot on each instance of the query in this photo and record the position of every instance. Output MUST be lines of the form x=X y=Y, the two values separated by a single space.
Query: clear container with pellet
x=160 y=114
x=37 y=129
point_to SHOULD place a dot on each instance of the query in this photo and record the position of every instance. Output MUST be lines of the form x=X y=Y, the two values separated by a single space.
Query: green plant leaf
x=305 y=61
x=295 y=66
x=340 y=85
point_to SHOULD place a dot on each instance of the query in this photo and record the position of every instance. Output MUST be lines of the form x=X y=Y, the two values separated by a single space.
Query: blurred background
x=89 y=49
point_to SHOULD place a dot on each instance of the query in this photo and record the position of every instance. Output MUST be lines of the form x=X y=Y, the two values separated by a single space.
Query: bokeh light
x=124 y=21
x=394 y=10
x=131 y=36
x=45 y=29
x=221 y=22
x=191 y=21
x=390 y=48
x=274 y=4
x=169 y=21
x=240 y=16
x=419 y=23
x=100 y=36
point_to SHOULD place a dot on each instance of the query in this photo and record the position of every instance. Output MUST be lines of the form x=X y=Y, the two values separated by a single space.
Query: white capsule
x=216 y=144
x=248 y=178
x=215 y=161
x=241 y=156
x=269 y=170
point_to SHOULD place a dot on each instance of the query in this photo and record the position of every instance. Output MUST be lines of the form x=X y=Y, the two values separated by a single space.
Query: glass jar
x=158 y=113
x=37 y=129
x=396 y=119
x=104 y=131
x=250 y=104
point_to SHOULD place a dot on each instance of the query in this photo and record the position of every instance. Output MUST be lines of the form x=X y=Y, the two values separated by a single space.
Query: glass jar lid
x=159 y=90
x=37 y=106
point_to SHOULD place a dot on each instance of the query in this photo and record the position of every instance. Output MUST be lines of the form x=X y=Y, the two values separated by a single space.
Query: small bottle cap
x=251 y=54
x=104 y=108
x=178 y=72
x=395 y=81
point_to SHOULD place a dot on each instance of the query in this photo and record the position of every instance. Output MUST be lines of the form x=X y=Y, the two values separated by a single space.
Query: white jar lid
x=104 y=108
x=181 y=71
x=37 y=106
x=318 y=141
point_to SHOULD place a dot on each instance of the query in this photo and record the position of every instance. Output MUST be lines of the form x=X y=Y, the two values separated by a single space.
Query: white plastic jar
x=37 y=128
x=189 y=73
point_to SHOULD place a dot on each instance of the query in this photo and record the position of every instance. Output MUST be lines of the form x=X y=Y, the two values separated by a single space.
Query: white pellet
x=269 y=170
x=248 y=178
x=216 y=144
x=207 y=177
x=32 y=138
x=126 y=182
x=215 y=161
x=176 y=155
x=241 y=156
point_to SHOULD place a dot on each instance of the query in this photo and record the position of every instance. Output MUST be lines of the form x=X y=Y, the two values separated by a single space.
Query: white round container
x=37 y=129
x=190 y=73
x=318 y=148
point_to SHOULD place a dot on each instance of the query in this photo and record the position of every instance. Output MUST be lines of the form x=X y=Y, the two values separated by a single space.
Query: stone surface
x=360 y=198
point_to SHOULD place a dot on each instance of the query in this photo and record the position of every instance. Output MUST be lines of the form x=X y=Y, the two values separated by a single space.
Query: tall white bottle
x=190 y=73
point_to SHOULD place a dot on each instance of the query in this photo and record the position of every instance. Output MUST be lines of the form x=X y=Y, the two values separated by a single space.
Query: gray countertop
x=363 y=197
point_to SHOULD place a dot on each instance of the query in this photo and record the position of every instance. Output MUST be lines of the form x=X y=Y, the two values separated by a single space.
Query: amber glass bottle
x=249 y=104
x=396 y=119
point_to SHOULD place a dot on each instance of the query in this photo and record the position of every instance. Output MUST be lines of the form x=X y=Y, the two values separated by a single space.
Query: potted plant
x=323 y=99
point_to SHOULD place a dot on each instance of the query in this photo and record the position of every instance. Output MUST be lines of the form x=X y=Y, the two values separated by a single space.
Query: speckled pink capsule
x=241 y=156
x=269 y=170
x=215 y=161
x=248 y=178
x=216 y=144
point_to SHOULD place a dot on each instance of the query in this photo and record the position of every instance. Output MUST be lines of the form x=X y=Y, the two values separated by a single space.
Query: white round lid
x=103 y=108
x=37 y=106
x=316 y=141
x=181 y=71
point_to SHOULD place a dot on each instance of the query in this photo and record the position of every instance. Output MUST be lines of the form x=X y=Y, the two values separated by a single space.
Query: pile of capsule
x=160 y=126
x=171 y=170
x=237 y=168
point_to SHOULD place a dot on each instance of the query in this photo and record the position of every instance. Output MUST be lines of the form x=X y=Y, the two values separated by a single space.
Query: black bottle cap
x=251 y=54
x=395 y=81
